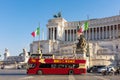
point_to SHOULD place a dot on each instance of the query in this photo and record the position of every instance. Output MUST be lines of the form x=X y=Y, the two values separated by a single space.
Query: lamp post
x=117 y=55
x=53 y=43
x=0 y=56
x=88 y=54
x=74 y=53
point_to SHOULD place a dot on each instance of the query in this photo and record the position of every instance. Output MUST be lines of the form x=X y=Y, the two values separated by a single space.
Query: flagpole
x=33 y=39
x=43 y=34
x=88 y=52
x=39 y=31
x=88 y=25
x=78 y=29
x=39 y=50
x=119 y=12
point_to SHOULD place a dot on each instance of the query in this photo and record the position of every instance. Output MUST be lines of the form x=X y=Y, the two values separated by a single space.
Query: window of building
x=116 y=46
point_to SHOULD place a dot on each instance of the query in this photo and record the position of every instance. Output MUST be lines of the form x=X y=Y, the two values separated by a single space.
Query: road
x=21 y=75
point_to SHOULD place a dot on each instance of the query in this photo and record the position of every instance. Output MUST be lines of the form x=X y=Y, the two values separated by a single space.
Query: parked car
x=117 y=71
x=19 y=67
x=10 y=66
x=2 y=66
x=94 y=68
x=107 y=68
x=101 y=69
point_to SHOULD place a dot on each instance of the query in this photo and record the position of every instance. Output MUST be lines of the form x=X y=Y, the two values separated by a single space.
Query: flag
x=33 y=34
x=36 y=32
x=79 y=29
x=83 y=28
x=86 y=25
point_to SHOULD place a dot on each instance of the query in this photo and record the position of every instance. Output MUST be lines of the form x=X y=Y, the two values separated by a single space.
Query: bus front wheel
x=71 y=72
x=39 y=72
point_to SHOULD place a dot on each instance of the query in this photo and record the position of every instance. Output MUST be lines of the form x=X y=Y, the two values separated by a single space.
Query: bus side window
x=42 y=66
x=66 y=66
x=76 y=65
x=73 y=65
x=70 y=66
x=48 y=65
x=45 y=66
x=53 y=66
x=61 y=66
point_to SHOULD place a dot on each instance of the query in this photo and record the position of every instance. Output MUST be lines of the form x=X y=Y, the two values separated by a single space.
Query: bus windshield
x=47 y=56
x=31 y=66
x=35 y=55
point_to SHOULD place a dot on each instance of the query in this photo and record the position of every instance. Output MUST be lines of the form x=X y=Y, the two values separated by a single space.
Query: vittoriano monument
x=81 y=47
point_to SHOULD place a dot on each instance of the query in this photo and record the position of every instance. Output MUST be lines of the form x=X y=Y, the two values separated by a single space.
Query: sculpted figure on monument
x=82 y=42
x=58 y=15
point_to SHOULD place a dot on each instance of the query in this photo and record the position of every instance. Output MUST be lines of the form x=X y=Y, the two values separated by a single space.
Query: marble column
x=73 y=35
x=67 y=34
x=116 y=31
x=86 y=35
x=56 y=32
x=64 y=35
x=99 y=33
x=110 y=32
x=92 y=33
x=53 y=33
x=102 y=32
x=89 y=33
x=113 y=31
x=96 y=33
x=50 y=33
x=70 y=34
x=106 y=32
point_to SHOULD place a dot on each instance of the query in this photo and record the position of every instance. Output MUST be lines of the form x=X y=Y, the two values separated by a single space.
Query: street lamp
x=117 y=56
x=88 y=54
x=0 y=55
x=74 y=53
x=53 y=43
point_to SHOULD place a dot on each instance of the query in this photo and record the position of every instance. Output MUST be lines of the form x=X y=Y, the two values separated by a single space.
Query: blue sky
x=18 y=18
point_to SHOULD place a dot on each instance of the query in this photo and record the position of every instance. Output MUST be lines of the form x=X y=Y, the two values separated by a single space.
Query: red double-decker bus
x=56 y=66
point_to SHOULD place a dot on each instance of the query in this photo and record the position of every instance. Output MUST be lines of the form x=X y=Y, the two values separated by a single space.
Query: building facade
x=99 y=29
x=21 y=58
x=103 y=36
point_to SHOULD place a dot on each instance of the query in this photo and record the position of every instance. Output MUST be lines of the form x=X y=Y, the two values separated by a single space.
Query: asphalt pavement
x=18 y=74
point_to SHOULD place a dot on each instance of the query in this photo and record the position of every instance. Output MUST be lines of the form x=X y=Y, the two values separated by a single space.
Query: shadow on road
x=11 y=74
